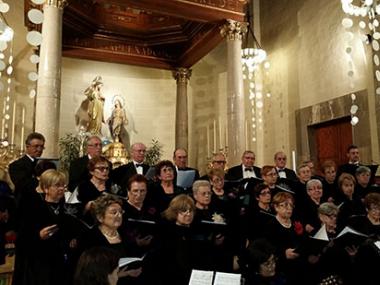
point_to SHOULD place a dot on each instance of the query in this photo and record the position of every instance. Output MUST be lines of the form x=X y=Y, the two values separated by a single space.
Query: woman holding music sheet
x=212 y=222
x=108 y=212
x=175 y=256
x=46 y=236
x=286 y=235
x=350 y=204
x=139 y=227
x=367 y=258
x=308 y=211
x=164 y=190
x=139 y=221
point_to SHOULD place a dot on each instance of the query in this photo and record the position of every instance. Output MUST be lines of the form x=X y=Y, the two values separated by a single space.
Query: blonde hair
x=180 y=203
x=52 y=177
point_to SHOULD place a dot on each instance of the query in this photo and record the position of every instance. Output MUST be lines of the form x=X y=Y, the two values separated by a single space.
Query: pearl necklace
x=115 y=236
x=285 y=225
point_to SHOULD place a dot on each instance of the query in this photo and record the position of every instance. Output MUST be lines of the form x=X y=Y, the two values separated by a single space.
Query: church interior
x=216 y=82
x=314 y=65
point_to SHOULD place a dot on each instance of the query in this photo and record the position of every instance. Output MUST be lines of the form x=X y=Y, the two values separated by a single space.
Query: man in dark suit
x=218 y=162
x=122 y=174
x=280 y=164
x=21 y=171
x=353 y=161
x=180 y=162
x=78 y=168
x=246 y=169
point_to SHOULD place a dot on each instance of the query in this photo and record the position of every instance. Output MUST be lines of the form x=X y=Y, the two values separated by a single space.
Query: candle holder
x=8 y=153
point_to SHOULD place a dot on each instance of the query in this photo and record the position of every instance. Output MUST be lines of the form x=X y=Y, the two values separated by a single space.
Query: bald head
x=138 y=152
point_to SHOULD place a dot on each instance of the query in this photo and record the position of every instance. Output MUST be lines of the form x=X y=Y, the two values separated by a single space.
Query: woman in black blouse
x=45 y=235
x=163 y=191
x=286 y=236
x=109 y=216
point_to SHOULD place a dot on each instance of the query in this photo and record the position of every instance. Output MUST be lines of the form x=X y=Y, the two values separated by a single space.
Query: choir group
x=270 y=224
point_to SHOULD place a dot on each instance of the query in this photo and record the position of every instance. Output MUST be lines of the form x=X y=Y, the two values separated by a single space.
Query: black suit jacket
x=121 y=175
x=290 y=174
x=78 y=172
x=22 y=175
x=236 y=172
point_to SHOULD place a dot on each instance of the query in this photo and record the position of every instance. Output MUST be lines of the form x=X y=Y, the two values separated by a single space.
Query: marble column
x=233 y=32
x=182 y=76
x=49 y=77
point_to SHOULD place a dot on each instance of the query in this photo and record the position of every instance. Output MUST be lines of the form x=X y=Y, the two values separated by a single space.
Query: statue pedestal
x=116 y=154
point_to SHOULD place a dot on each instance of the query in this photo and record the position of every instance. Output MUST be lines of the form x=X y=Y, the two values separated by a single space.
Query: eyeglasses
x=95 y=145
x=272 y=174
x=185 y=212
x=116 y=212
x=281 y=158
x=102 y=168
x=36 y=146
x=286 y=205
x=374 y=208
x=64 y=186
x=219 y=161
x=265 y=193
x=204 y=194
x=217 y=180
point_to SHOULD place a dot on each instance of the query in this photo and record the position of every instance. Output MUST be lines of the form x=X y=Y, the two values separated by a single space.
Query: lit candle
x=13 y=123
x=294 y=160
x=246 y=134
x=2 y=127
x=22 y=128
x=220 y=133
x=226 y=133
x=208 y=140
x=214 y=123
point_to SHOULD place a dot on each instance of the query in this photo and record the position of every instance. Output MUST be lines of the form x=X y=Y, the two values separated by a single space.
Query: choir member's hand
x=144 y=241
x=290 y=254
x=47 y=232
x=88 y=206
x=330 y=199
x=219 y=239
x=351 y=250
x=124 y=271
x=309 y=228
x=73 y=243
x=313 y=259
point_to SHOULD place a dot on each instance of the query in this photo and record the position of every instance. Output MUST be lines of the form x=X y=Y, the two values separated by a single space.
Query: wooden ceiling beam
x=194 y=10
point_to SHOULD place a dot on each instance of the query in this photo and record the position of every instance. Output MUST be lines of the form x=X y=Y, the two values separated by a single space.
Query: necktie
x=281 y=170
x=138 y=165
x=248 y=169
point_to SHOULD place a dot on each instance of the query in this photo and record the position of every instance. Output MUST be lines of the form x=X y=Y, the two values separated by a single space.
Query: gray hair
x=200 y=183
x=328 y=208
x=312 y=182
x=362 y=169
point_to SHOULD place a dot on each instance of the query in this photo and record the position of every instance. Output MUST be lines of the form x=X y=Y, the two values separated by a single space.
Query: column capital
x=60 y=4
x=234 y=30
x=182 y=74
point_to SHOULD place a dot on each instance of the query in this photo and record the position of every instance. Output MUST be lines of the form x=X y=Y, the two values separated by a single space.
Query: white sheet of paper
x=222 y=278
x=201 y=277
x=185 y=178
x=127 y=260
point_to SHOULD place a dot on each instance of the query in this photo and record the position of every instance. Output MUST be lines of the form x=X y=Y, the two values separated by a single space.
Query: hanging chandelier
x=366 y=7
x=252 y=56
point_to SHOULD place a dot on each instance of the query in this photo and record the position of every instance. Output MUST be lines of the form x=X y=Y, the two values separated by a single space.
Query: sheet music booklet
x=201 y=277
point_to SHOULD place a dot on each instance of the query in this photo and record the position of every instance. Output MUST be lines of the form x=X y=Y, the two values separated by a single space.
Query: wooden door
x=331 y=141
